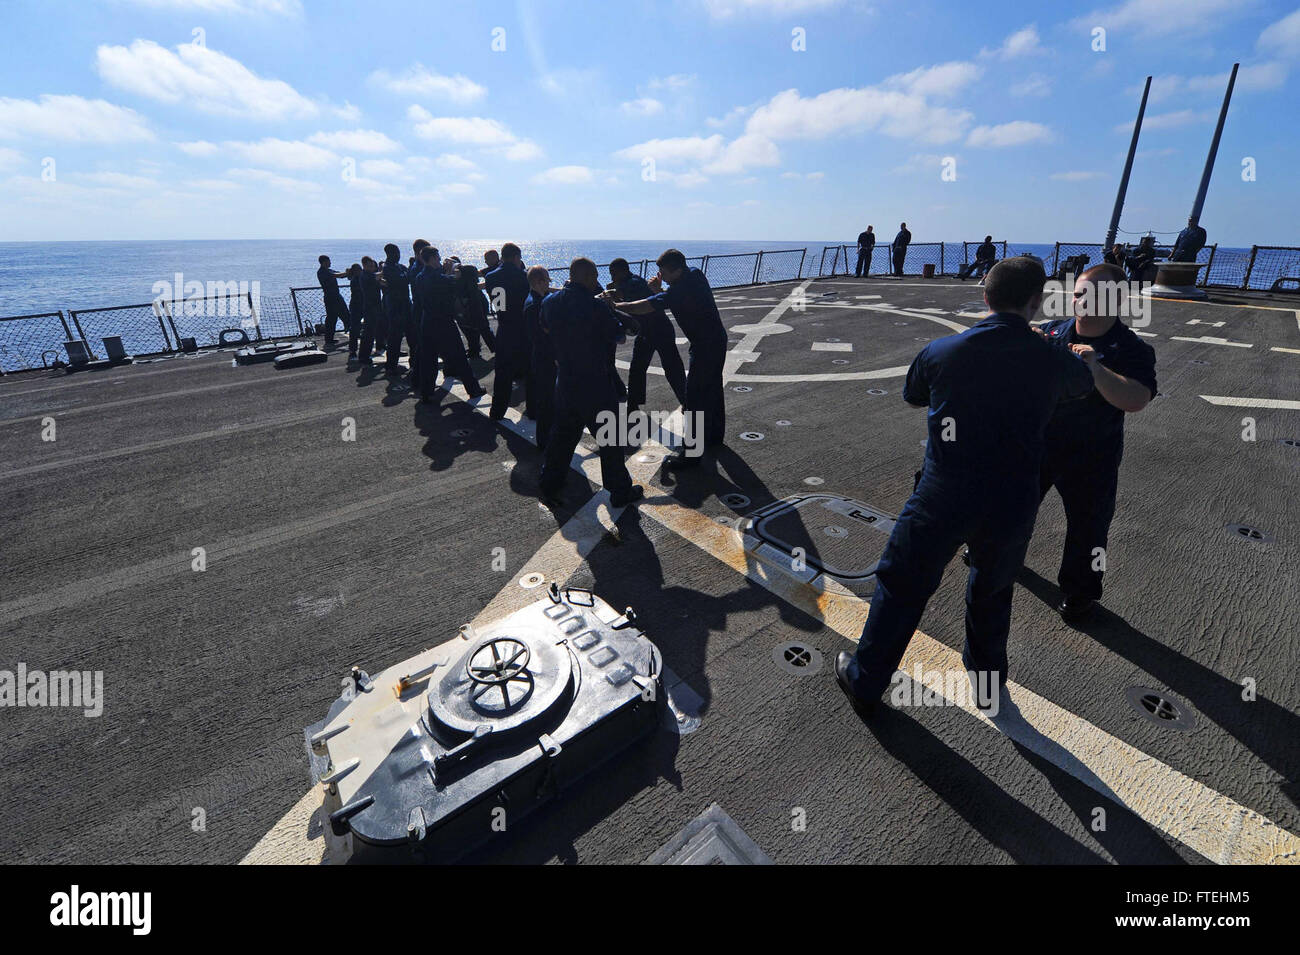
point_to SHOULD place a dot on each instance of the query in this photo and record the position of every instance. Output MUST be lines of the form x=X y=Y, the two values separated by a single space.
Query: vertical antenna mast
x=1214 y=149
x=1128 y=168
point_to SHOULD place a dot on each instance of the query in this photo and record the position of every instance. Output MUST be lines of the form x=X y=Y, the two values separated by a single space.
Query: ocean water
x=46 y=276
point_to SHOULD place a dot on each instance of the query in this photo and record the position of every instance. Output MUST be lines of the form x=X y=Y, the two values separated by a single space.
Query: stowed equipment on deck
x=447 y=749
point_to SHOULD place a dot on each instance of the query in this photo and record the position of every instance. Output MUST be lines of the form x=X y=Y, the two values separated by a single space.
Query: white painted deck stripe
x=1230 y=402
x=1211 y=340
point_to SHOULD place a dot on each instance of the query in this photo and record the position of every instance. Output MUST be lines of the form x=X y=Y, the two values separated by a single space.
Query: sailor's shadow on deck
x=455 y=428
x=1002 y=819
x=1265 y=728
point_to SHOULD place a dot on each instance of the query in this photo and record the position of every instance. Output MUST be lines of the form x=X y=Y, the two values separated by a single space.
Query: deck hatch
x=837 y=535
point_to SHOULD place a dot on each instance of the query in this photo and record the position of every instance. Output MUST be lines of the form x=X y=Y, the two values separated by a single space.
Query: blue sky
x=729 y=119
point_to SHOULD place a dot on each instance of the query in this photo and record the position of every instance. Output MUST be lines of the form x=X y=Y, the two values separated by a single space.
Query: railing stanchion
x=1250 y=267
x=157 y=313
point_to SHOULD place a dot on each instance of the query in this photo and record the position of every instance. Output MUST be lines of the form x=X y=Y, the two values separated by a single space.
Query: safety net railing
x=781 y=265
x=204 y=319
x=142 y=328
x=32 y=341
x=738 y=268
x=1274 y=268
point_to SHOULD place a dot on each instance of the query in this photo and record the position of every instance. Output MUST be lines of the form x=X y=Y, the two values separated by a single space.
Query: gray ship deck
x=323 y=553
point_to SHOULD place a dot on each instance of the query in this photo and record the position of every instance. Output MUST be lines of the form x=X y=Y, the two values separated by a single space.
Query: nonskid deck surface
x=322 y=552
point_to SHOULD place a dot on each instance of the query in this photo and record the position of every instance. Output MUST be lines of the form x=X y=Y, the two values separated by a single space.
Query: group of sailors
x=560 y=343
x=897 y=250
x=1014 y=410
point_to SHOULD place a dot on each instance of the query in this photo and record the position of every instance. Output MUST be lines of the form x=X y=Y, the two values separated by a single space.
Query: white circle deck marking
x=529 y=581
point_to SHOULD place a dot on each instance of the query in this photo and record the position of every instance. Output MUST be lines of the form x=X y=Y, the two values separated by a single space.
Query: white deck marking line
x=161 y=396
x=1145 y=334
x=1230 y=402
x=896 y=372
x=1210 y=340
x=744 y=350
x=832 y=346
x=1289 y=351
x=908 y=313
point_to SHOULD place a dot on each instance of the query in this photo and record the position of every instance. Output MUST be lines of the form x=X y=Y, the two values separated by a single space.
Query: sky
x=689 y=119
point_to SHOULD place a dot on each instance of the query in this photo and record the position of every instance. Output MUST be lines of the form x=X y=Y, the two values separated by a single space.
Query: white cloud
x=645 y=106
x=522 y=151
x=1024 y=42
x=1035 y=84
x=454 y=162
x=1282 y=38
x=119 y=180
x=275 y=181
x=71 y=119
x=240 y=7
x=1182 y=117
x=1253 y=78
x=742 y=153
x=1258 y=77
x=200 y=78
x=421 y=81
x=686 y=180
x=1150 y=18
x=355 y=141
x=730 y=117
x=213 y=185
x=674 y=150
x=945 y=79
x=675 y=82
x=563 y=176
x=347 y=112
x=473 y=130
x=10 y=158
x=893 y=112
x=199 y=148
x=1074 y=176
x=282 y=153
x=1015 y=133
x=920 y=162
x=723 y=9
x=568 y=81
x=383 y=168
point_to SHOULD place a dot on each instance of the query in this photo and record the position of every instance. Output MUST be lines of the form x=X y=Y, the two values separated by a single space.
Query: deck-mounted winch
x=448 y=749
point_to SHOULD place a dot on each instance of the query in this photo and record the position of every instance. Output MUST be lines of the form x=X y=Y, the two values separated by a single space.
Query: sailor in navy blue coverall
x=990 y=391
x=582 y=328
x=657 y=335
x=1085 y=439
